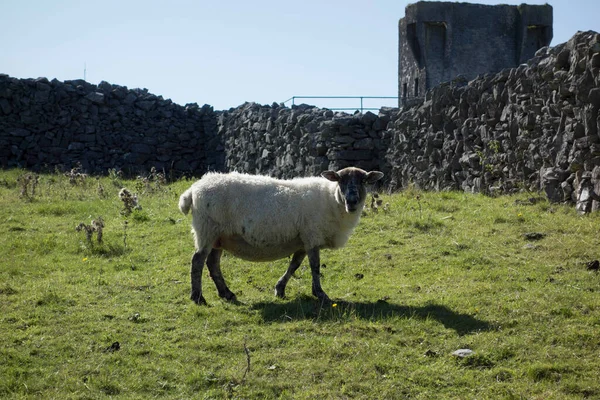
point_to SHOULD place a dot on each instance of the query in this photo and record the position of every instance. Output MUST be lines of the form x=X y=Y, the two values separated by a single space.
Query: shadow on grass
x=309 y=308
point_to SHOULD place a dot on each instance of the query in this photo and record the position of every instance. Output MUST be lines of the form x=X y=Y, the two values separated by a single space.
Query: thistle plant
x=130 y=201
x=76 y=177
x=376 y=202
x=28 y=184
x=96 y=226
x=100 y=189
x=88 y=230
x=154 y=181
x=115 y=176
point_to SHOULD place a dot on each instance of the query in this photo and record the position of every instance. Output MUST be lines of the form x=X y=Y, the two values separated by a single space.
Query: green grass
x=437 y=273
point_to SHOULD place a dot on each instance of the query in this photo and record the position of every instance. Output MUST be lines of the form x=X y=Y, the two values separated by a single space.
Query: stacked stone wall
x=301 y=141
x=535 y=127
x=47 y=124
x=532 y=127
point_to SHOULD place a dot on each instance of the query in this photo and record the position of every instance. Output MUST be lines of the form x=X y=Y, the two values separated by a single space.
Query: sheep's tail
x=185 y=201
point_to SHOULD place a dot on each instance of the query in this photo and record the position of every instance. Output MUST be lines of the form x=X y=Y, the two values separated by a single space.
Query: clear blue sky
x=226 y=52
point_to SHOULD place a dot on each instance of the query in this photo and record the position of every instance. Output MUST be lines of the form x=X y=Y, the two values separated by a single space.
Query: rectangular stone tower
x=439 y=41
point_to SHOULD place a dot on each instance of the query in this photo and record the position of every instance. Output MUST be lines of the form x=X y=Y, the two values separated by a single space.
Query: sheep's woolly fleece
x=261 y=218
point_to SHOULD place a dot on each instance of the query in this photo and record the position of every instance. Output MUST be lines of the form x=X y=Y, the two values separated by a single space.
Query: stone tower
x=439 y=41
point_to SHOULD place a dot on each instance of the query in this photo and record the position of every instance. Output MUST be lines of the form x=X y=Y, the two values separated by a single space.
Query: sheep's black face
x=352 y=185
x=353 y=190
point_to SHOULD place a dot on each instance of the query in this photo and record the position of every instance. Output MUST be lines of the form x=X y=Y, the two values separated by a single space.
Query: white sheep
x=258 y=218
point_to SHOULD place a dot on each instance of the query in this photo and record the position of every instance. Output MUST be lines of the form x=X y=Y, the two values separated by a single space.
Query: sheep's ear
x=331 y=175
x=373 y=176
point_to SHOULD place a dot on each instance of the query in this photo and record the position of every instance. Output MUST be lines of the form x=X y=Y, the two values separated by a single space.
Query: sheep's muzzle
x=351 y=206
x=352 y=197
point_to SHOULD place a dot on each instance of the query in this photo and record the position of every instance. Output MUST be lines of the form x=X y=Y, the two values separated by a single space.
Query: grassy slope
x=439 y=272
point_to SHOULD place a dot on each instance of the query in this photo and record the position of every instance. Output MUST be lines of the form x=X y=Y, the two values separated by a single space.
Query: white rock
x=462 y=353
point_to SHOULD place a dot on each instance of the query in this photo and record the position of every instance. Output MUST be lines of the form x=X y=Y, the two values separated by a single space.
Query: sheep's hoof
x=323 y=298
x=280 y=292
x=198 y=299
x=229 y=296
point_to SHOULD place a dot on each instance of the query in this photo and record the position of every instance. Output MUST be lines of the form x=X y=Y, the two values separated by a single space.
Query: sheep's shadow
x=309 y=308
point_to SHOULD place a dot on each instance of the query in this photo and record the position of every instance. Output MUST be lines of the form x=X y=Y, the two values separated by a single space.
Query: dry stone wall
x=534 y=127
x=45 y=124
x=301 y=141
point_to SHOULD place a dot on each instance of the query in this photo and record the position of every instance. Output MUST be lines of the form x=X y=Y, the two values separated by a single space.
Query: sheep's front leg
x=315 y=268
x=196 y=275
x=294 y=264
x=214 y=267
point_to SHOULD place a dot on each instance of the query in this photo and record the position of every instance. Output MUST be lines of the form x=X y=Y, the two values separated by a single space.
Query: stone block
x=364 y=144
x=354 y=155
x=75 y=146
x=95 y=97
x=5 y=106
x=142 y=148
x=19 y=132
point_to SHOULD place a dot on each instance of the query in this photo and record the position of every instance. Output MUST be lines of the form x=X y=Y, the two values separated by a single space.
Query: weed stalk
x=27 y=182
x=125 y=234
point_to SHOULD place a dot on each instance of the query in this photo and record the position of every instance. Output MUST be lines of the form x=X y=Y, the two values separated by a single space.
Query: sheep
x=259 y=218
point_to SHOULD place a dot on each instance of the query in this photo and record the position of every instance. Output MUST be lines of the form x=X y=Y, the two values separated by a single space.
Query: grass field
x=505 y=277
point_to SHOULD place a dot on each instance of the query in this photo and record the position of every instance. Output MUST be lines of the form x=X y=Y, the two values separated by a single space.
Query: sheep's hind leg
x=214 y=267
x=315 y=268
x=294 y=264
x=196 y=276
